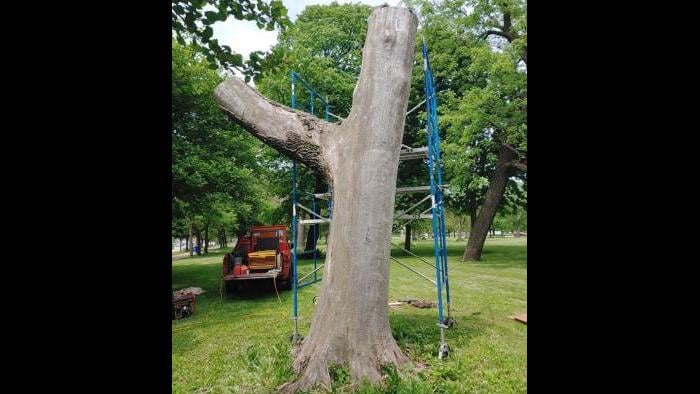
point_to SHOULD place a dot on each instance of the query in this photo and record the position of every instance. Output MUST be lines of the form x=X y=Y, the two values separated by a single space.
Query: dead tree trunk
x=359 y=159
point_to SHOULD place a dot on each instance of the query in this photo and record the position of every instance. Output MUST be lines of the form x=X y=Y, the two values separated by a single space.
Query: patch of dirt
x=416 y=303
x=520 y=317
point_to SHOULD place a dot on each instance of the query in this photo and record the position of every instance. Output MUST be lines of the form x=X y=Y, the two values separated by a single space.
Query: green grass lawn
x=241 y=345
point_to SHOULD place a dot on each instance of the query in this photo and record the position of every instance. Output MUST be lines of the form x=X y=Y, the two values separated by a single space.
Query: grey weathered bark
x=359 y=158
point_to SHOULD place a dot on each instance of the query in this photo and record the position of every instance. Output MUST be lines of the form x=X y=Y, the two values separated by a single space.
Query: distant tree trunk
x=189 y=240
x=407 y=239
x=494 y=195
x=206 y=238
x=359 y=157
x=199 y=241
x=472 y=214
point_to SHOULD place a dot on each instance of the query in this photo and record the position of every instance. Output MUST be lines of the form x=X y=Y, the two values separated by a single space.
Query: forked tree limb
x=519 y=165
x=350 y=324
x=298 y=135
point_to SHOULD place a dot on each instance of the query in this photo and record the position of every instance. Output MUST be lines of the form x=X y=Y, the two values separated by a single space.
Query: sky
x=244 y=37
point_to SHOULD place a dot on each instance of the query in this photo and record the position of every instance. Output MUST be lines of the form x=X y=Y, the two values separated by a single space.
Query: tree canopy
x=217 y=176
x=478 y=52
x=192 y=22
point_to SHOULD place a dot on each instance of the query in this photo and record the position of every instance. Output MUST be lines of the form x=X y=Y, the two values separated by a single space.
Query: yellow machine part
x=262 y=259
x=261 y=254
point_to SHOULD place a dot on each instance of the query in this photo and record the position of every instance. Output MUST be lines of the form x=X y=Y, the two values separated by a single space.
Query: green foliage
x=516 y=220
x=340 y=376
x=216 y=174
x=192 y=22
x=484 y=99
x=456 y=222
x=323 y=46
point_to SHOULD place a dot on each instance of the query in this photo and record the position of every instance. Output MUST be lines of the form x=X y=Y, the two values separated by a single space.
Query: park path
x=181 y=256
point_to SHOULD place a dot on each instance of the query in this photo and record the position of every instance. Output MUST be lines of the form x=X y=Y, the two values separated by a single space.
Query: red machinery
x=264 y=254
x=184 y=305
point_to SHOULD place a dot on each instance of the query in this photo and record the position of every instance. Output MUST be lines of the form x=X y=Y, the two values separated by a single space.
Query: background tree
x=457 y=223
x=216 y=171
x=479 y=53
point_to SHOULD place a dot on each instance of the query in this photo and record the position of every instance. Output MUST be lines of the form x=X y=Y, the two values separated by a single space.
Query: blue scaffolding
x=434 y=198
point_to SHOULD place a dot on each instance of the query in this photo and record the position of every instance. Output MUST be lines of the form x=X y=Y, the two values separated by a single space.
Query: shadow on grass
x=262 y=290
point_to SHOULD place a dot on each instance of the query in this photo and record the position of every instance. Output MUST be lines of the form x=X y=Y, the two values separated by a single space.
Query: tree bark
x=472 y=214
x=206 y=238
x=198 y=234
x=493 y=197
x=359 y=158
x=189 y=240
x=407 y=239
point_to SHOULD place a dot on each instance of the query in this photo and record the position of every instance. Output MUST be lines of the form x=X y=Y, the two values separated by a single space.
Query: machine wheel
x=230 y=288
x=444 y=351
x=285 y=284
